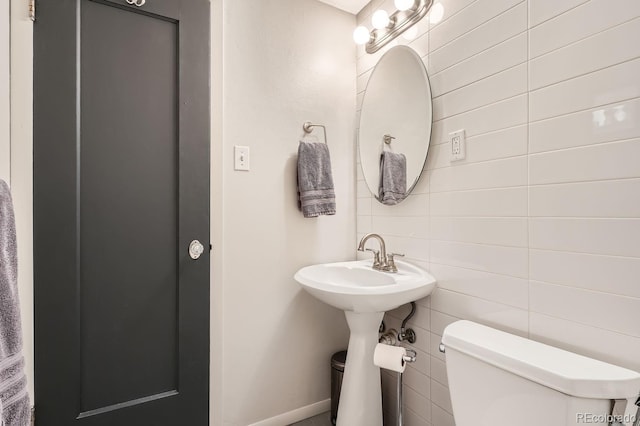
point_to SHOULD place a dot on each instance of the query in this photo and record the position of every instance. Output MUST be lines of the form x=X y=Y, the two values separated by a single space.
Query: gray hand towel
x=14 y=398
x=315 y=182
x=393 y=178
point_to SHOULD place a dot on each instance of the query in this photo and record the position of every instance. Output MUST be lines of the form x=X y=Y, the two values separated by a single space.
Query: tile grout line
x=429 y=206
x=475 y=55
x=528 y=170
x=573 y=321
x=559 y=14
x=481 y=80
x=591 y=35
x=478 y=26
x=582 y=75
x=588 y=290
x=583 y=110
x=457 y=114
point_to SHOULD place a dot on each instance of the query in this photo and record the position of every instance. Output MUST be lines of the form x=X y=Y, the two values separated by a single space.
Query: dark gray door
x=121 y=188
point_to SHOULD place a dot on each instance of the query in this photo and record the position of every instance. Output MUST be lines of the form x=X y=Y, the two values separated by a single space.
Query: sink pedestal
x=361 y=393
x=364 y=294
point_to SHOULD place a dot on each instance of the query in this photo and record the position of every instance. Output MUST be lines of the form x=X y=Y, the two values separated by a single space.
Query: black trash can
x=337 y=371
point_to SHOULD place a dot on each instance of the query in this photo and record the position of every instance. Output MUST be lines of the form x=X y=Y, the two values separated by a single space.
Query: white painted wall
x=216 y=365
x=537 y=231
x=271 y=342
x=22 y=165
x=283 y=62
x=5 y=141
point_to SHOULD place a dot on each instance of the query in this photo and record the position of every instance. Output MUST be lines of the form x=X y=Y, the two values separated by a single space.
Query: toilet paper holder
x=410 y=356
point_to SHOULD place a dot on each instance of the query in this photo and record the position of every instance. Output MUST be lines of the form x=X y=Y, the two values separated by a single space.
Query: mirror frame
x=420 y=63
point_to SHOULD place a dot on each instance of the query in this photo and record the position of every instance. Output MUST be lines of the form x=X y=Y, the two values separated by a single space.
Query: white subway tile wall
x=537 y=231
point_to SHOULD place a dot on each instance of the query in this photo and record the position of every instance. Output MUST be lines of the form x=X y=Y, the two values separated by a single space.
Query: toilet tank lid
x=555 y=368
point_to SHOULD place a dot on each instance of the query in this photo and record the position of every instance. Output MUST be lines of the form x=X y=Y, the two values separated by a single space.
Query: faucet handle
x=391 y=264
x=376 y=257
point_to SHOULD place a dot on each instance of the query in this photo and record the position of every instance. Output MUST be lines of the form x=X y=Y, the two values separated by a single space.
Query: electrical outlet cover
x=458 y=143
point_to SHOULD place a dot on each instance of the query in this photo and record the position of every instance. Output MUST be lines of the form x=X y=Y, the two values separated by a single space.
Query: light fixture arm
x=402 y=20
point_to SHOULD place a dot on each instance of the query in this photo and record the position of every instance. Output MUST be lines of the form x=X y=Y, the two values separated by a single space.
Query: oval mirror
x=395 y=125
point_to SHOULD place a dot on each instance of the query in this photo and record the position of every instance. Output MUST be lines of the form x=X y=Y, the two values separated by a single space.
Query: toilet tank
x=499 y=379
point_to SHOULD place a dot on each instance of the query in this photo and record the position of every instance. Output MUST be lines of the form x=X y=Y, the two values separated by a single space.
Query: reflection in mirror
x=395 y=125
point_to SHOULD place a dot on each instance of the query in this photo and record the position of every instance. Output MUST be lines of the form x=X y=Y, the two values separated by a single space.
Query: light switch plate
x=241 y=155
x=458 y=143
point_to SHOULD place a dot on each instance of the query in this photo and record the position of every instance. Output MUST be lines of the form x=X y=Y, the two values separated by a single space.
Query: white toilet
x=499 y=379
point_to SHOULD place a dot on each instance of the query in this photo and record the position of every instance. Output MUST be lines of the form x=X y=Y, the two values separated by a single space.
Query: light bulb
x=436 y=13
x=404 y=4
x=411 y=33
x=380 y=19
x=361 y=35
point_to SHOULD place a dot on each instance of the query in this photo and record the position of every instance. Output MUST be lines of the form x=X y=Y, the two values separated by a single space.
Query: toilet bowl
x=499 y=379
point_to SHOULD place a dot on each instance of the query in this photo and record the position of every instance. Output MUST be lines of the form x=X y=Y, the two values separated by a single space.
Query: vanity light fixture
x=388 y=27
x=437 y=12
x=380 y=20
x=404 y=4
x=410 y=34
x=361 y=35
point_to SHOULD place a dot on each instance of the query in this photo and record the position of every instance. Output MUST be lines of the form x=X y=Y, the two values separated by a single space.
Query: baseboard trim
x=296 y=415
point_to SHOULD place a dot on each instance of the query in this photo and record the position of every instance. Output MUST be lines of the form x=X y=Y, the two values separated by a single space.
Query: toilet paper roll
x=389 y=357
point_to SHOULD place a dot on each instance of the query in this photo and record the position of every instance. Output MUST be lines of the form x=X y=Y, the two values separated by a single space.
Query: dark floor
x=323 y=419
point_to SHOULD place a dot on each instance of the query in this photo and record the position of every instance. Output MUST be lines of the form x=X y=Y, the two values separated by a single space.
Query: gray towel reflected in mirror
x=393 y=178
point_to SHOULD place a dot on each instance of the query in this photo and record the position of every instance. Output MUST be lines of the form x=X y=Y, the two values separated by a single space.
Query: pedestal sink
x=364 y=295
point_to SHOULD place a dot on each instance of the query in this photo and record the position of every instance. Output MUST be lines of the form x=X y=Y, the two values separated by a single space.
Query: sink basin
x=364 y=295
x=355 y=286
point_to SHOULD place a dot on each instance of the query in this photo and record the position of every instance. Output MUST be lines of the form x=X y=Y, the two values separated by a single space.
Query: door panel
x=129 y=149
x=121 y=186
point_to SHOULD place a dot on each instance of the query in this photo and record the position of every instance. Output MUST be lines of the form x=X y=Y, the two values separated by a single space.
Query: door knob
x=195 y=249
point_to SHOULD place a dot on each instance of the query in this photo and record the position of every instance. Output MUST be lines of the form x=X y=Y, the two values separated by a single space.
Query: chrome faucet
x=381 y=260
